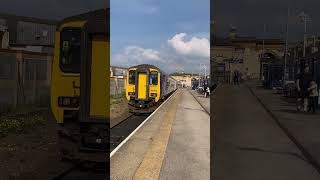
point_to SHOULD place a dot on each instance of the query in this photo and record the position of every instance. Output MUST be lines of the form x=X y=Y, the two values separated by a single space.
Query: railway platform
x=173 y=143
x=303 y=127
x=250 y=143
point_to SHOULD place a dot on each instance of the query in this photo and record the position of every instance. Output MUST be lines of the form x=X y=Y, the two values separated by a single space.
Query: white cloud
x=196 y=46
x=142 y=53
x=133 y=55
x=180 y=55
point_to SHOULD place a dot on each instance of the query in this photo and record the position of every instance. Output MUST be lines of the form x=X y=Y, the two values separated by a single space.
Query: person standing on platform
x=236 y=77
x=303 y=82
x=313 y=95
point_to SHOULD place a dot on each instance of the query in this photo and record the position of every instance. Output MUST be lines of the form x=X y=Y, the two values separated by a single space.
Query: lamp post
x=286 y=50
x=305 y=19
x=204 y=67
x=199 y=76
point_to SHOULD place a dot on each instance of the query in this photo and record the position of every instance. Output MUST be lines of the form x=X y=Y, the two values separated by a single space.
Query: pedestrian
x=239 y=77
x=208 y=91
x=299 y=93
x=236 y=77
x=303 y=82
x=313 y=95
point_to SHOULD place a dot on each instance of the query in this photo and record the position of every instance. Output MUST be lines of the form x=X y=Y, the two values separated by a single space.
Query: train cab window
x=70 y=50
x=132 y=77
x=153 y=78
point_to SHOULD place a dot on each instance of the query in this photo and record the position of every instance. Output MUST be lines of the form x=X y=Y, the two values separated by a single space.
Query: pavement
x=173 y=144
x=205 y=102
x=304 y=127
x=247 y=142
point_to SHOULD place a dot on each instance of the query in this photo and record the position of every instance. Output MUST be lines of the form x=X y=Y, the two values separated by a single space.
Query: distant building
x=117 y=80
x=24 y=78
x=27 y=33
x=242 y=54
x=184 y=78
x=119 y=72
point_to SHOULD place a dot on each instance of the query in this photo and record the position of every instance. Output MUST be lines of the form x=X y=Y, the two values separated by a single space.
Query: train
x=81 y=64
x=146 y=86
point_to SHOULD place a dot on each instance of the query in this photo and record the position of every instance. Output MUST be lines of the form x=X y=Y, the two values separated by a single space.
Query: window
x=154 y=78
x=70 y=50
x=132 y=77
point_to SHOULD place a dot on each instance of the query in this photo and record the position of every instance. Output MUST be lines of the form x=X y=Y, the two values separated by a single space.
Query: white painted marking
x=124 y=141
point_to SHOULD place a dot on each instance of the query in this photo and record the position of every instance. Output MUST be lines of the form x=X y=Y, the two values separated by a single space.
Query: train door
x=99 y=78
x=94 y=84
x=142 y=85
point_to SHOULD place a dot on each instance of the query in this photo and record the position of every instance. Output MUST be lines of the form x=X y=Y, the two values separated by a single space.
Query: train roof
x=145 y=65
x=98 y=21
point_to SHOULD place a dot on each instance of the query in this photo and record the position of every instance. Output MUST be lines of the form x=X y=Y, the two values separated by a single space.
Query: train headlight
x=153 y=94
x=72 y=102
x=131 y=93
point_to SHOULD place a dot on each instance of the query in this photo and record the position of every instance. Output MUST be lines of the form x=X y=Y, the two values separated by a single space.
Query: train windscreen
x=70 y=50
x=132 y=77
x=154 y=78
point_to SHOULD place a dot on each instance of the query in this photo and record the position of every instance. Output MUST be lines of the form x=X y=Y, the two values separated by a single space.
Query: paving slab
x=248 y=144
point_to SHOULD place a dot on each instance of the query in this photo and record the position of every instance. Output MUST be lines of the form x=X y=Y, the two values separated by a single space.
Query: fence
x=117 y=86
x=24 y=80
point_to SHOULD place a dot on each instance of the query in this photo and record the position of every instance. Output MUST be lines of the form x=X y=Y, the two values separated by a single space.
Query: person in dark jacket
x=303 y=82
x=236 y=77
x=313 y=95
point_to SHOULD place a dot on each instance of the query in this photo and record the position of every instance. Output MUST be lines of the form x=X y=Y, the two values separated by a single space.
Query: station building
x=117 y=80
x=184 y=78
x=242 y=54
x=26 y=55
x=28 y=33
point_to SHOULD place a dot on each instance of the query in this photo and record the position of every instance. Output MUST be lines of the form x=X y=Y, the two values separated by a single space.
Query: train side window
x=70 y=50
x=132 y=77
x=153 y=78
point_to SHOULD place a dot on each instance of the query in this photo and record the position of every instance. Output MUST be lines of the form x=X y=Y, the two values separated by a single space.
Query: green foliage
x=116 y=99
x=21 y=123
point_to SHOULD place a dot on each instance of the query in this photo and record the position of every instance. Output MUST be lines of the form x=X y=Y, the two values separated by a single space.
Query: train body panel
x=146 y=85
x=142 y=85
x=65 y=81
x=81 y=63
x=100 y=50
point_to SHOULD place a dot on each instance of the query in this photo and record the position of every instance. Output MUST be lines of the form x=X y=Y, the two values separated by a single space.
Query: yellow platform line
x=150 y=167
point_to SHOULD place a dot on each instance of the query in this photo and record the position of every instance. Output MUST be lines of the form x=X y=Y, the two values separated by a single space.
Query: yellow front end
x=143 y=89
x=155 y=88
x=63 y=83
x=130 y=84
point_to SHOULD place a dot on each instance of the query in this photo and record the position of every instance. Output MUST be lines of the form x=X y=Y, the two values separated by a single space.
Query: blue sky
x=173 y=35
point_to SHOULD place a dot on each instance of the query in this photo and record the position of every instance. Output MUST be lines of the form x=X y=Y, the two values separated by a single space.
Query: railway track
x=122 y=130
x=83 y=171
x=309 y=158
x=118 y=133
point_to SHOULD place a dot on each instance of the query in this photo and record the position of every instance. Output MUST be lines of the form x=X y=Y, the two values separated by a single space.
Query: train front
x=143 y=88
x=81 y=61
